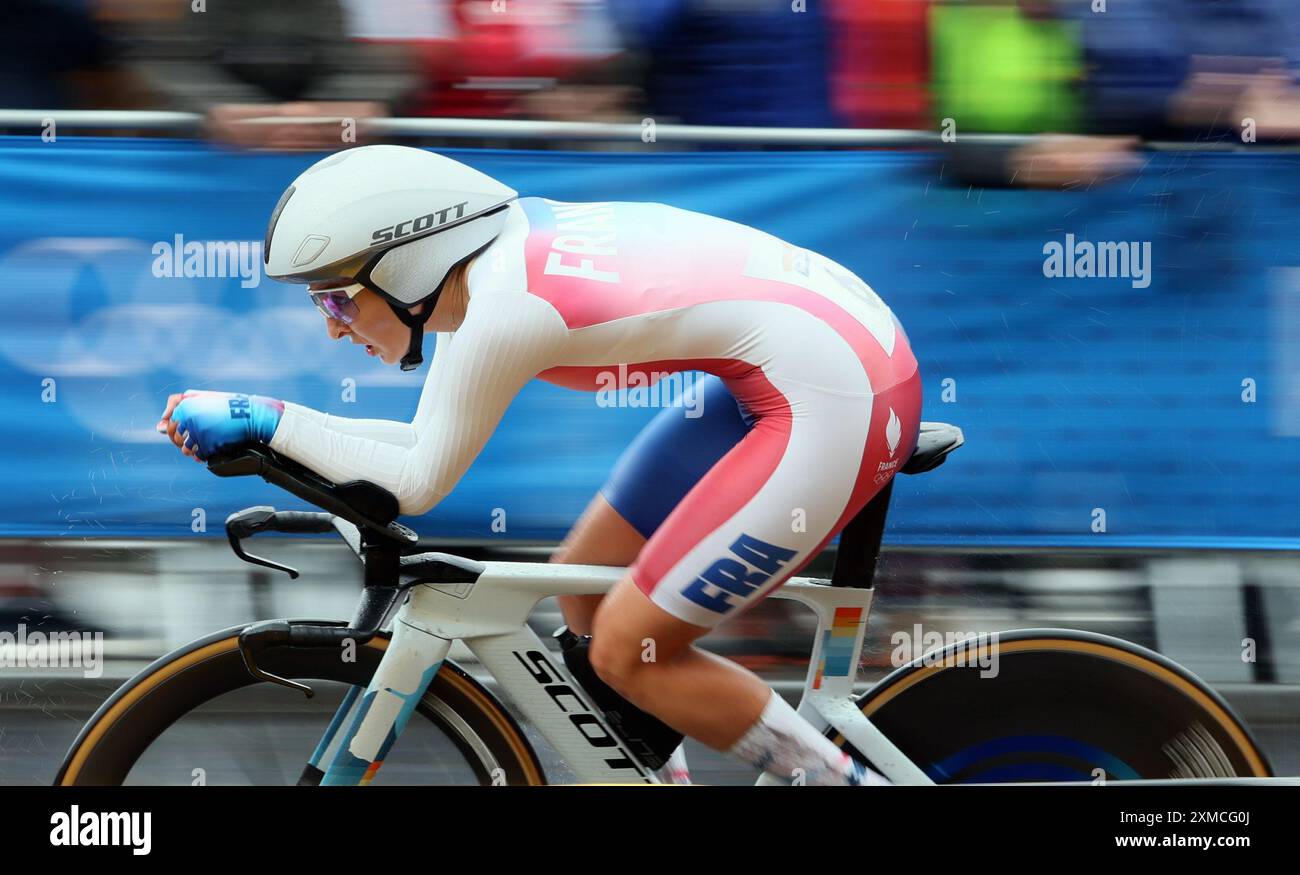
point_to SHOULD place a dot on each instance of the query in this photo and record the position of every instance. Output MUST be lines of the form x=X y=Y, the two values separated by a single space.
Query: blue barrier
x=1075 y=394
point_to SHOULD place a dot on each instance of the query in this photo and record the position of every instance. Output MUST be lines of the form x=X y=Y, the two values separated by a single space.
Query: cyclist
x=812 y=406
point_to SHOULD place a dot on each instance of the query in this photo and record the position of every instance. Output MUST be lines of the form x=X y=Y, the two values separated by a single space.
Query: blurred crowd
x=1167 y=69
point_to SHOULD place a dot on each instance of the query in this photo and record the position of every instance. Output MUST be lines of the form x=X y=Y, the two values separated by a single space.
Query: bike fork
x=367 y=724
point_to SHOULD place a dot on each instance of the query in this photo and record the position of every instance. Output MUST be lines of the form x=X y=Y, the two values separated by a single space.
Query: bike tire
x=164 y=692
x=1062 y=706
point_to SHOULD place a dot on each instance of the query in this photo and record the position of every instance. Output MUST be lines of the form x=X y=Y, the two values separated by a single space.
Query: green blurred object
x=997 y=71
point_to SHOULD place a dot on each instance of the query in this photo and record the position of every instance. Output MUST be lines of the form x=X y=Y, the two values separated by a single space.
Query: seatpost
x=855 y=560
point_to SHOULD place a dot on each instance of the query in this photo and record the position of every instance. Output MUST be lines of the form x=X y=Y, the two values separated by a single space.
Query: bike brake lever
x=246 y=522
x=270 y=629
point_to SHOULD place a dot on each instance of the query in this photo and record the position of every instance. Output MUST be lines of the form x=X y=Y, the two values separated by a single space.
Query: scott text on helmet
x=418 y=224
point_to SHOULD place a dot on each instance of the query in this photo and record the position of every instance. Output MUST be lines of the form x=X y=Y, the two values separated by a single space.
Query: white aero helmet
x=394 y=219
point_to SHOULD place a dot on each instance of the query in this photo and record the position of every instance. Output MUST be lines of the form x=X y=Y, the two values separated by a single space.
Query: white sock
x=675 y=771
x=786 y=746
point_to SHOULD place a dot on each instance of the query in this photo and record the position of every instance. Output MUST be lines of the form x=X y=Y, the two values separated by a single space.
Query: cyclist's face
x=375 y=327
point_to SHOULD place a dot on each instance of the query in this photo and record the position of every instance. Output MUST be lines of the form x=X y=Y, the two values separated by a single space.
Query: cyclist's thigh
x=601 y=536
x=771 y=504
x=672 y=453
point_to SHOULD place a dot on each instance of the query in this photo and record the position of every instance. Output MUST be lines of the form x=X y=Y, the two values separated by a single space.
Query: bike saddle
x=935 y=441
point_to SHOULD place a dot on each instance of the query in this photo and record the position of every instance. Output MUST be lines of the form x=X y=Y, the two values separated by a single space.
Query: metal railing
x=482 y=128
x=16 y=120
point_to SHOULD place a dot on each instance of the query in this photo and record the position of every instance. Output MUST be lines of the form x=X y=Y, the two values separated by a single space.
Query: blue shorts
x=718 y=495
x=673 y=452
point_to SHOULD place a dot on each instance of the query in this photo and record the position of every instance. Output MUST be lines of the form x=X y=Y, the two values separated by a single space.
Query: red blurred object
x=880 y=66
x=496 y=57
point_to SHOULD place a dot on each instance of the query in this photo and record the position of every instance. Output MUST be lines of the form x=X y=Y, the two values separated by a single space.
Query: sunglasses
x=336 y=301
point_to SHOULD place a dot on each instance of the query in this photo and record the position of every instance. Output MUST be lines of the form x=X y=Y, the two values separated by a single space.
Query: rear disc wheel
x=1057 y=705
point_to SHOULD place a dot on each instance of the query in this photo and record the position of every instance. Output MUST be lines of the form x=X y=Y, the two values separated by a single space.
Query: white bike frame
x=490 y=617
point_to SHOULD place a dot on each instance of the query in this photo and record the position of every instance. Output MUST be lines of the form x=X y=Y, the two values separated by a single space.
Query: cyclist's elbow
x=419 y=498
x=424 y=481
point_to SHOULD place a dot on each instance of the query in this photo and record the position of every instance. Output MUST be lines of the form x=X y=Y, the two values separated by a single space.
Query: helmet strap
x=414 y=355
x=414 y=351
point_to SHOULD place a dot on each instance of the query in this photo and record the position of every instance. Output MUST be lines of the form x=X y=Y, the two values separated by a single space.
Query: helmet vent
x=310 y=250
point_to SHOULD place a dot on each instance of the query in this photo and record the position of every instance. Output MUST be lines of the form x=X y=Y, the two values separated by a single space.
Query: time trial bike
x=1062 y=705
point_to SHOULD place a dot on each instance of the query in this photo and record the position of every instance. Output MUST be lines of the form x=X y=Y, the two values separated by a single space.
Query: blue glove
x=214 y=421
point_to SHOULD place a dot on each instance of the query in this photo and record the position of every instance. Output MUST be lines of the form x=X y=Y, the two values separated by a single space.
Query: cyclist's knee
x=616 y=661
x=632 y=638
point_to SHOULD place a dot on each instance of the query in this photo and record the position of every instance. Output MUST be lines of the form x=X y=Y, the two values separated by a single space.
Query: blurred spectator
x=482 y=59
x=1013 y=66
x=731 y=62
x=1006 y=67
x=1241 y=62
x=880 y=76
x=1135 y=63
x=1191 y=68
x=1159 y=69
x=51 y=41
x=240 y=59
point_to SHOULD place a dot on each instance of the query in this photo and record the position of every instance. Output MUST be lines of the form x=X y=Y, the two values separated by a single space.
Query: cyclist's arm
x=388 y=431
x=505 y=340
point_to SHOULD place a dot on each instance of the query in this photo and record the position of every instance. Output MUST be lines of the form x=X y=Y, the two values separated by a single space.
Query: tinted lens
x=337 y=305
